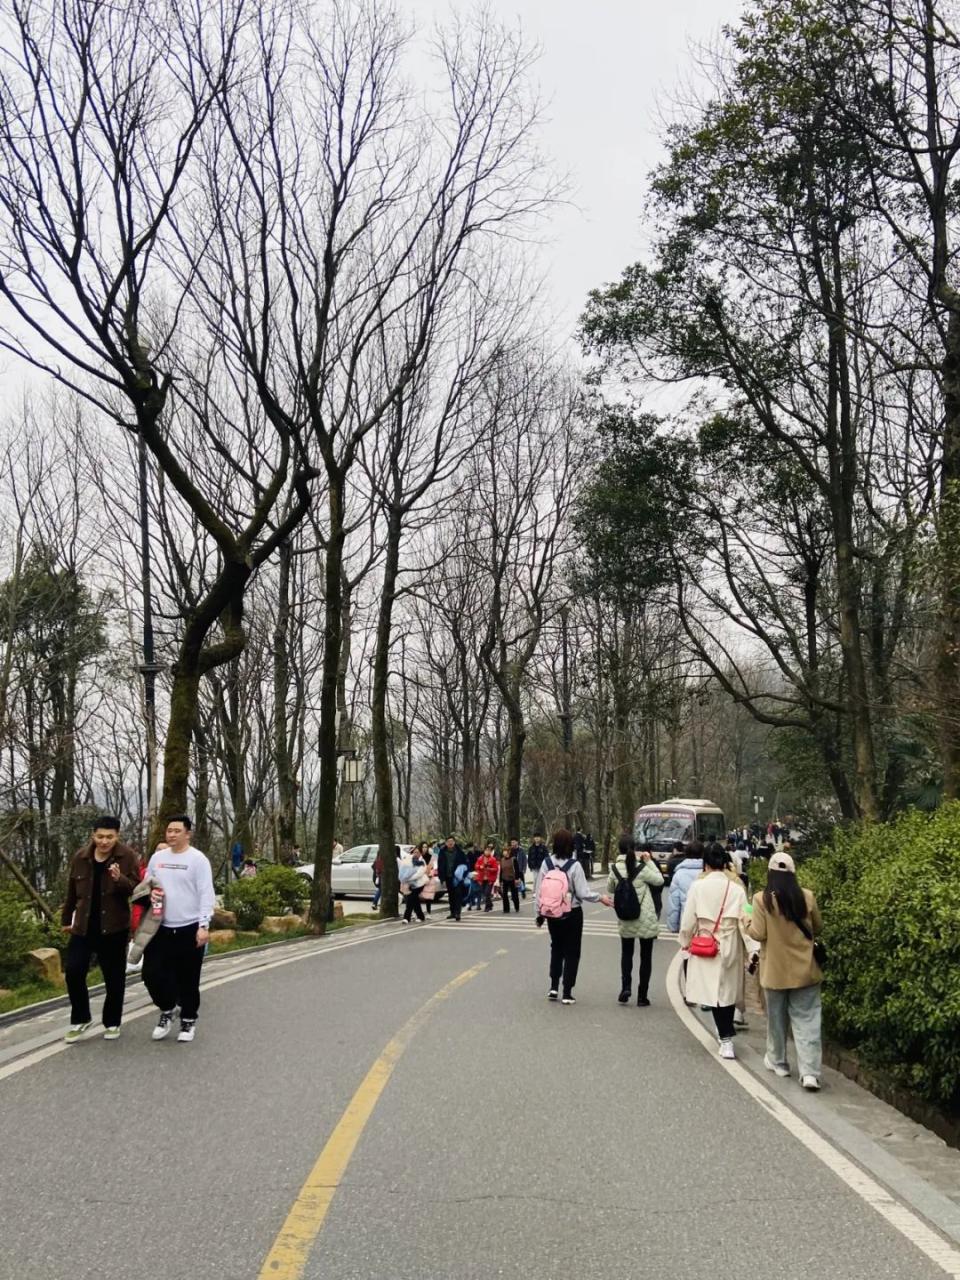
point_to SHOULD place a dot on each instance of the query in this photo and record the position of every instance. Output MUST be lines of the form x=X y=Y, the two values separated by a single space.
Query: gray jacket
x=149 y=924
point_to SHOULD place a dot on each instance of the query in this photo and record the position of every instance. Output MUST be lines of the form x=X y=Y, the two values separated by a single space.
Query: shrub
x=891 y=909
x=272 y=892
x=19 y=933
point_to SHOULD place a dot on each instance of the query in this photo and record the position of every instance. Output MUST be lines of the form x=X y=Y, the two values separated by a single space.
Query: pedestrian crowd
x=724 y=936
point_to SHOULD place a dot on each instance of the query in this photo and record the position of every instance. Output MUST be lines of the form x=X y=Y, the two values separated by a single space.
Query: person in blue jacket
x=683 y=877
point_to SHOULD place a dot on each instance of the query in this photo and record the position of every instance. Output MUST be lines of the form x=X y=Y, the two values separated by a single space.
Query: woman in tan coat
x=785 y=921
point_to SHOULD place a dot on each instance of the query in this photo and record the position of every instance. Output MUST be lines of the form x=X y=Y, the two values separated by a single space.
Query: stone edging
x=876 y=1082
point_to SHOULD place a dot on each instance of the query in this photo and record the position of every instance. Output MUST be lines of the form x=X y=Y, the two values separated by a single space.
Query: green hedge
x=272 y=891
x=19 y=932
x=890 y=898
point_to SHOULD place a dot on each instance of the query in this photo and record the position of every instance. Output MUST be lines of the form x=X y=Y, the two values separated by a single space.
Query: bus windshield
x=664 y=827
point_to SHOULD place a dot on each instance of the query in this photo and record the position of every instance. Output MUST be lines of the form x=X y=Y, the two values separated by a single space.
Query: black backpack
x=626 y=904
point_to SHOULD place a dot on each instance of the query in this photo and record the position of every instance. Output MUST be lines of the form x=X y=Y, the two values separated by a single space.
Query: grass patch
x=29 y=993
x=271 y=939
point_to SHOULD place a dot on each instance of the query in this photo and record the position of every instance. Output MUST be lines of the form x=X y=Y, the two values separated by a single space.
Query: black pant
x=723 y=1017
x=566 y=939
x=508 y=890
x=455 y=898
x=646 y=964
x=111 y=952
x=413 y=904
x=171 y=970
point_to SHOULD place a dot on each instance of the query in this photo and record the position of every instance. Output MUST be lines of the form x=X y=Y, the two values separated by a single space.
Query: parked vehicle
x=351 y=874
x=659 y=827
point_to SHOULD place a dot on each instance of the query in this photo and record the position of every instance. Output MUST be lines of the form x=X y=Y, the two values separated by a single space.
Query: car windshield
x=664 y=828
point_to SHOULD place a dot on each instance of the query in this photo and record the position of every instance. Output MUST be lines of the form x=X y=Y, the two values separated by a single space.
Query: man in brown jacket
x=96 y=914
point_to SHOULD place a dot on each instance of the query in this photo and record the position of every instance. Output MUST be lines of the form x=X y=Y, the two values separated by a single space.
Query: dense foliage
x=888 y=893
x=272 y=892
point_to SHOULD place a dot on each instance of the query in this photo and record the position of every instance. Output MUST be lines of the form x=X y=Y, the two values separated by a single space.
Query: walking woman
x=509 y=874
x=785 y=920
x=429 y=890
x=486 y=869
x=561 y=905
x=712 y=930
x=412 y=884
x=637 y=919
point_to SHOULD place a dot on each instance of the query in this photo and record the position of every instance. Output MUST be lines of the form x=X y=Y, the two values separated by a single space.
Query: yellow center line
x=291 y=1249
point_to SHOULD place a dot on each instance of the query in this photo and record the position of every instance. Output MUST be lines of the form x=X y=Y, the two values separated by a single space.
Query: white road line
x=910 y=1225
x=59 y=1046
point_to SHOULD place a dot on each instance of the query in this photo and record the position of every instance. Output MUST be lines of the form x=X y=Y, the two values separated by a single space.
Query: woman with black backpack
x=632 y=884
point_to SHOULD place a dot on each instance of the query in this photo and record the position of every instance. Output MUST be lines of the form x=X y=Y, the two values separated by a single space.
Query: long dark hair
x=627 y=848
x=783 y=894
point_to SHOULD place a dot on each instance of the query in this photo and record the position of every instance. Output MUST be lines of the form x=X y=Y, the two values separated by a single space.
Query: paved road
x=515 y=1138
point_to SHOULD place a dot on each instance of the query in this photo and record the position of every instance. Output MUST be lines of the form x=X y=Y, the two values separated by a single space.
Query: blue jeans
x=800 y=1007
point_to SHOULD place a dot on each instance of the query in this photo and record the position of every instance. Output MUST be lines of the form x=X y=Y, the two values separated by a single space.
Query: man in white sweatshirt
x=172 y=961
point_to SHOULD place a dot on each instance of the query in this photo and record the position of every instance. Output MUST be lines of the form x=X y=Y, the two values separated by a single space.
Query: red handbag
x=705 y=945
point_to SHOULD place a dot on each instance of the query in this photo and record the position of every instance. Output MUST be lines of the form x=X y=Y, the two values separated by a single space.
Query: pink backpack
x=555 y=892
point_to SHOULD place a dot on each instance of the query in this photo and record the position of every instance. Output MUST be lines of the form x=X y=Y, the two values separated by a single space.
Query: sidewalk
x=913 y=1162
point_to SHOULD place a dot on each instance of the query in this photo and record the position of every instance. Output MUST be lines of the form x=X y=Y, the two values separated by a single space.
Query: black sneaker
x=623 y=997
x=162 y=1029
x=643 y=1002
x=553 y=994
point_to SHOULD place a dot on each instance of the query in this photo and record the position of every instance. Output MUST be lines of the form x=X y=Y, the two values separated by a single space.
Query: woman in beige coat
x=785 y=921
x=715 y=906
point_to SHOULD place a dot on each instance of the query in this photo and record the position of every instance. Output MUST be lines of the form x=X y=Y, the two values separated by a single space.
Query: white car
x=351 y=875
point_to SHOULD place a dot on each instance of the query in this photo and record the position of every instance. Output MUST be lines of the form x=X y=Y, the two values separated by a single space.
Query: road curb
x=134 y=979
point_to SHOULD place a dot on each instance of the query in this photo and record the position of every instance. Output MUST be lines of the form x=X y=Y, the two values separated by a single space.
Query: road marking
x=59 y=1046
x=904 y=1220
x=291 y=1249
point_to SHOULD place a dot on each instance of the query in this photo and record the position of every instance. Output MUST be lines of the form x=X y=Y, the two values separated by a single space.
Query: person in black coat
x=451 y=856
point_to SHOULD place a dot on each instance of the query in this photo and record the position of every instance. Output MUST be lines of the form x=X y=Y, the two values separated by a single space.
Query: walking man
x=451 y=857
x=96 y=914
x=537 y=852
x=173 y=960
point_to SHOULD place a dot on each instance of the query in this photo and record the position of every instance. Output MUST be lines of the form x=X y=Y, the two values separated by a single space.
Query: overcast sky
x=608 y=70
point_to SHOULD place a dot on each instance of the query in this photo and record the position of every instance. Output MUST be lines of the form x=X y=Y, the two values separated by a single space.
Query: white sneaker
x=777 y=1070
x=162 y=1029
x=810 y=1083
x=111 y=1033
x=188 y=1029
x=76 y=1031
x=740 y=1022
x=726 y=1050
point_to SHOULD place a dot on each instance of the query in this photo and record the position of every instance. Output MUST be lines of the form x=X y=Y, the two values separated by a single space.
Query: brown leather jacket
x=114 y=894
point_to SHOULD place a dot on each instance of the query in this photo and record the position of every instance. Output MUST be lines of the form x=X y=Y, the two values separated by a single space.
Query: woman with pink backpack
x=560 y=892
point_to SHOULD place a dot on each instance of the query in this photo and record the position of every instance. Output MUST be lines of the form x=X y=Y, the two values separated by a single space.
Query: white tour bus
x=659 y=827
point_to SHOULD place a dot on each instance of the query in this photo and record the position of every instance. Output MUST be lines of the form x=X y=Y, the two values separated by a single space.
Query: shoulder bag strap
x=716 y=923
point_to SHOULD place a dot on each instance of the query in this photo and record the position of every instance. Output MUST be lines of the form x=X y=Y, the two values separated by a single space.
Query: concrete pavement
x=514 y=1138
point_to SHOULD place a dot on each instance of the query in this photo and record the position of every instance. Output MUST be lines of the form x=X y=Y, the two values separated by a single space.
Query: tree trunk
x=223 y=604
x=518 y=736
x=623 y=709
x=948 y=539
x=283 y=733
x=327 y=738
x=383 y=775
